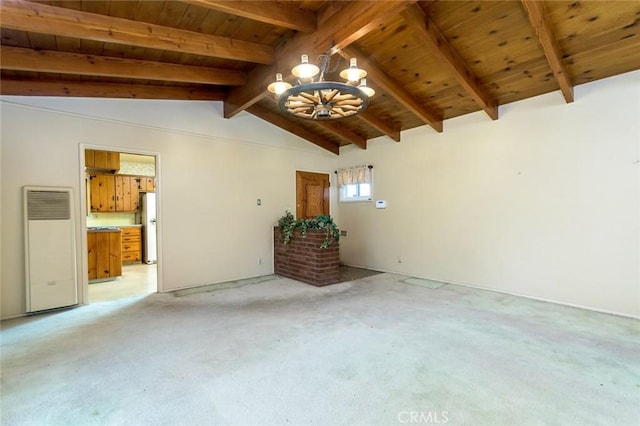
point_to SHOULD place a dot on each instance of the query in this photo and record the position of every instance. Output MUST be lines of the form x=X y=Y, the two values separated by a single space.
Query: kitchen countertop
x=103 y=228
x=112 y=228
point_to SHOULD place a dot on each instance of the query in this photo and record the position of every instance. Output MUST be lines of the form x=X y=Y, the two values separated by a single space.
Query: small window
x=355 y=183
x=356 y=192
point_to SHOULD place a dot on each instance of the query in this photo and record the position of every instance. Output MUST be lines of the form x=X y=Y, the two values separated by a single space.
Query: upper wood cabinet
x=102 y=192
x=146 y=183
x=101 y=160
x=127 y=193
x=117 y=193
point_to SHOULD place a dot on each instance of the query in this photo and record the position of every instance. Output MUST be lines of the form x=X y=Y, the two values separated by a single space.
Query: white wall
x=543 y=202
x=210 y=174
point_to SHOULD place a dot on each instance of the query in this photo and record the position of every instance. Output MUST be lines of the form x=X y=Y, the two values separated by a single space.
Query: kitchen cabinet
x=127 y=193
x=102 y=192
x=147 y=183
x=101 y=160
x=105 y=253
x=131 y=244
x=114 y=193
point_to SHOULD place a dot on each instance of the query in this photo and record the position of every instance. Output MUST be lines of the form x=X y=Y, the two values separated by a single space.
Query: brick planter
x=302 y=258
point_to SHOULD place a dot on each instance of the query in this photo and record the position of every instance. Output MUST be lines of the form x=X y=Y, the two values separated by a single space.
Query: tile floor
x=136 y=279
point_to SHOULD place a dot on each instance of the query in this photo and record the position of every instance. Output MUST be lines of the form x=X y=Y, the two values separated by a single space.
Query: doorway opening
x=121 y=235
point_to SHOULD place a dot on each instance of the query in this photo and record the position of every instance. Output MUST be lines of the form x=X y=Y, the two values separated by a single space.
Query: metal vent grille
x=48 y=205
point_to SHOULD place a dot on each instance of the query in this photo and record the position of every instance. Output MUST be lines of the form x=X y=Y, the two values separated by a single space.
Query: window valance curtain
x=354 y=175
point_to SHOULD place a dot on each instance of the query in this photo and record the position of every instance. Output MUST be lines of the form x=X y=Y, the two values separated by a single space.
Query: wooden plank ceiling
x=428 y=60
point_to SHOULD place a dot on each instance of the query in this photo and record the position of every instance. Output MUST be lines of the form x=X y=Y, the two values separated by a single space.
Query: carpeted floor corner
x=351 y=273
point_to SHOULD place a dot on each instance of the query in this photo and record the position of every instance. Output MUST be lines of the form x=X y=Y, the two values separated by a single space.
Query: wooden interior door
x=312 y=194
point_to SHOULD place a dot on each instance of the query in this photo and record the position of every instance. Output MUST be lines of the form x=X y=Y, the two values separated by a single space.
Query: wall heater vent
x=50 y=247
x=49 y=205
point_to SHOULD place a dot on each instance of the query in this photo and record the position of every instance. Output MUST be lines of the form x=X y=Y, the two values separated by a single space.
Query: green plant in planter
x=288 y=226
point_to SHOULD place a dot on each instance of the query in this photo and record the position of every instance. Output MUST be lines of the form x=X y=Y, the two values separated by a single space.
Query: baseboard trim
x=526 y=296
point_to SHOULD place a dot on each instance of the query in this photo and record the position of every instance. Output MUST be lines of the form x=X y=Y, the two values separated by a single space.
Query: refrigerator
x=148 y=219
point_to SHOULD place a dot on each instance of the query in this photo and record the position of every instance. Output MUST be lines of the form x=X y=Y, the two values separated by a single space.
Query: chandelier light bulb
x=278 y=86
x=305 y=70
x=367 y=90
x=353 y=73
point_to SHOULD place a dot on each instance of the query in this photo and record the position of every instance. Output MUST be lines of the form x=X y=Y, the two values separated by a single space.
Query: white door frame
x=83 y=282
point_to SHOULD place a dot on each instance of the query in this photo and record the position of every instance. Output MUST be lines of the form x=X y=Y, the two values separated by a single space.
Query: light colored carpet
x=377 y=351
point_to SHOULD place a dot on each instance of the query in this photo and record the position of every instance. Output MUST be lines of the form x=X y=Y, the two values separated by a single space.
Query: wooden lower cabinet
x=105 y=259
x=131 y=244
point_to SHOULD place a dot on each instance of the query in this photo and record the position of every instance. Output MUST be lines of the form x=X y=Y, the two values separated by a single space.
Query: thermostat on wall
x=381 y=204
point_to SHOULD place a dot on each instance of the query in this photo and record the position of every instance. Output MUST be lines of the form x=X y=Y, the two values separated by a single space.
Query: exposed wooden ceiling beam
x=342 y=25
x=16 y=58
x=335 y=127
x=430 y=36
x=339 y=129
x=351 y=21
x=291 y=127
x=240 y=98
x=542 y=26
x=268 y=12
x=81 y=89
x=391 y=130
x=41 y=18
x=395 y=90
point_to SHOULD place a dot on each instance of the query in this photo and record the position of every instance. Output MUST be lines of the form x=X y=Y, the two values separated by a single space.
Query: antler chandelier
x=314 y=98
